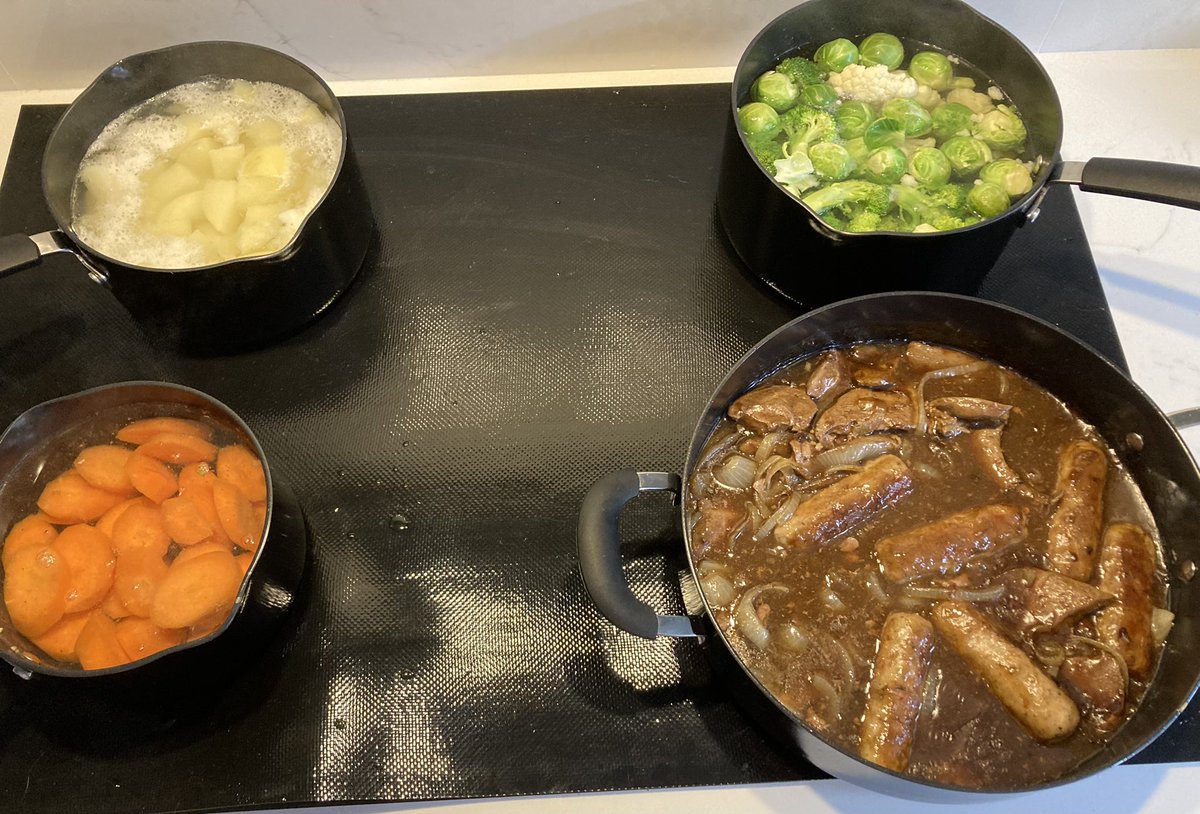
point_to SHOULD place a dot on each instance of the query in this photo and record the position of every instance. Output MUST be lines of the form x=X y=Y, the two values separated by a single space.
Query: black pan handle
x=1177 y=184
x=17 y=252
x=600 y=553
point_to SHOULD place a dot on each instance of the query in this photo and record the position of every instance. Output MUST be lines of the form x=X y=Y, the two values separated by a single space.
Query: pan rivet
x=22 y=673
x=1032 y=215
x=1187 y=570
x=1135 y=442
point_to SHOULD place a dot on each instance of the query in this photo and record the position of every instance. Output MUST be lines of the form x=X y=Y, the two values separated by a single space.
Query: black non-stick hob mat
x=550 y=299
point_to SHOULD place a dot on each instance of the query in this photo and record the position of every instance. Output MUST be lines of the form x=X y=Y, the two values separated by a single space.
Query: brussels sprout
x=885 y=165
x=930 y=167
x=776 y=90
x=987 y=200
x=881 y=49
x=835 y=55
x=927 y=97
x=967 y=155
x=932 y=69
x=758 y=120
x=853 y=118
x=1008 y=174
x=883 y=132
x=978 y=102
x=831 y=160
x=858 y=150
x=951 y=119
x=916 y=119
x=822 y=96
x=1003 y=129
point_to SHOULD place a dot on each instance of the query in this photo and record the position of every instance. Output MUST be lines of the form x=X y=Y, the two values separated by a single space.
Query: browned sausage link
x=847 y=503
x=897 y=684
x=1029 y=694
x=1074 y=534
x=944 y=546
x=1127 y=565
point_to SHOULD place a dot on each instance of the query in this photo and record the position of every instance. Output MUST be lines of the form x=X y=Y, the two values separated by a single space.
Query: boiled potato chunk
x=312 y=114
x=220 y=204
x=263 y=132
x=177 y=217
x=224 y=162
x=254 y=190
x=272 y=161
x=167 y=184
x=259 y=229
x=99 y=184
x=242 y=90
x=194 y=155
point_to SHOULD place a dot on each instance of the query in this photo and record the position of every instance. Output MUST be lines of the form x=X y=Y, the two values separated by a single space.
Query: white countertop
x=1130 y=104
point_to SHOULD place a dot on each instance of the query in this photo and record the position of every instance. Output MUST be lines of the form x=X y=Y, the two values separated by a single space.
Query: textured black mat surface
x=549 y=300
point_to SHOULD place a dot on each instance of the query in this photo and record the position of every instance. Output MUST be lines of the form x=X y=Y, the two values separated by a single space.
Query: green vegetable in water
x=858 y=149
x=1009 y=174
x=977 y=102
x=758 y=120
x=795 y=172
x=1002 y=129
x=884 y=132
x=986 y=199
x=951 y=119
x=801 y=71
x=822 y=96
x=927 y=97
x=967 y=155
x=885 y=165
x=831 y=160
x=917 y=208
x=932 y=69
x=930 y=167
x=881 y=49
x=767 y=151
x=916 y=120
x=776 y=90
x=852 y=118
x=871 y=197
x=835 y=55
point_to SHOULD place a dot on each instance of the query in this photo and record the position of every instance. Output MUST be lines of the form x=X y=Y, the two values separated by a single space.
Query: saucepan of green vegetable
x=877 y=147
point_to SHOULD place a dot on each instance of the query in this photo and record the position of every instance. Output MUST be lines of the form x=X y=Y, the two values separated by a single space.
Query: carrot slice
x=104 y=467
x=186 y=524
x=236 y=464
x=207 y=625
x=112 y=606
x=35 y=589
x=151 y=477
x=176 y=448
x=139 y=432
x=109 y=518
x=90 y=559
x=195 y=589
x=136 y=581
x=54 y=521
x=199 y=550
x=141 y=637
x=32 y=531
x=236 y=514
x=72 y=499
x=97 y=646
x=141 y=527
x=196 y=484
x=59 y=641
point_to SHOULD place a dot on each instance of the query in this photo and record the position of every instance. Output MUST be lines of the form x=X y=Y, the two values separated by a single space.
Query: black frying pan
x=784 y=242
x=1144 y=439
x=227 y=305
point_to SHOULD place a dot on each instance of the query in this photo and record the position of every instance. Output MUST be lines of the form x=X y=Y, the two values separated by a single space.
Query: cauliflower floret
x=873 y=85
x=995 y=93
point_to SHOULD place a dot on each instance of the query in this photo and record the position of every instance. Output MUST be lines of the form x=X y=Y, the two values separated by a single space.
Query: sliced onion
x=766 y=447
x=831 y=600
x=829 y=694
x=855 y=452
x=1161 y=620
x=988 y=593
x=717 y=588
x=1050 y=652
x=746 y=615
x=782 y=515
x=735 y=473
x=710 y=566
x=944 y=373
x=875 y=586
x=1084 y=640
x=794 y=638
x=718 y=450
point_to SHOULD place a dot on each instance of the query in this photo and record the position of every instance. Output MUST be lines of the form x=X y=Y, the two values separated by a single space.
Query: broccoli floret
x=864 y=221
x=767 y=151
x=807 y=125
x=892 y=223
x=950 y=196
x=872 y=197
x=801 y=71
x=918 y=207
x=835 y=220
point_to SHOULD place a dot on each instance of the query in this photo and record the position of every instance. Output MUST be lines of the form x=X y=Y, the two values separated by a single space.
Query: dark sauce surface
x=833 y=596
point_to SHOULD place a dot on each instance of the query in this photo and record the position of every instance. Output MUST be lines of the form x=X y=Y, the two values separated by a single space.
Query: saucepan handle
x=17 y=252
x=1182 y=419
x=600 y=553
x=1177 y=184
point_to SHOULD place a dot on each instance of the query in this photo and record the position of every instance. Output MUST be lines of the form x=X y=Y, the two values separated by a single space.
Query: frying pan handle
x=600 y=553
x=1177 y=184
x=17 y=252
x=1182 y=419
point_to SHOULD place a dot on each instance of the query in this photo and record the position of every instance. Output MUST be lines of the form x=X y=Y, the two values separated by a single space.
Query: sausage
x=1030 y=695
x=1128 y=561
x=943 y=547
x=849 y=502
x=1074 y=534
x=987 y=448
x=897 y=685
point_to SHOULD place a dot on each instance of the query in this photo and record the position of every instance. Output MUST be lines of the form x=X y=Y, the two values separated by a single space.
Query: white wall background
x=66 y=43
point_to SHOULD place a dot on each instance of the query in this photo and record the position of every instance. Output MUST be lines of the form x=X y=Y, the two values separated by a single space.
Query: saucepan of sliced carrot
x=140 y=542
